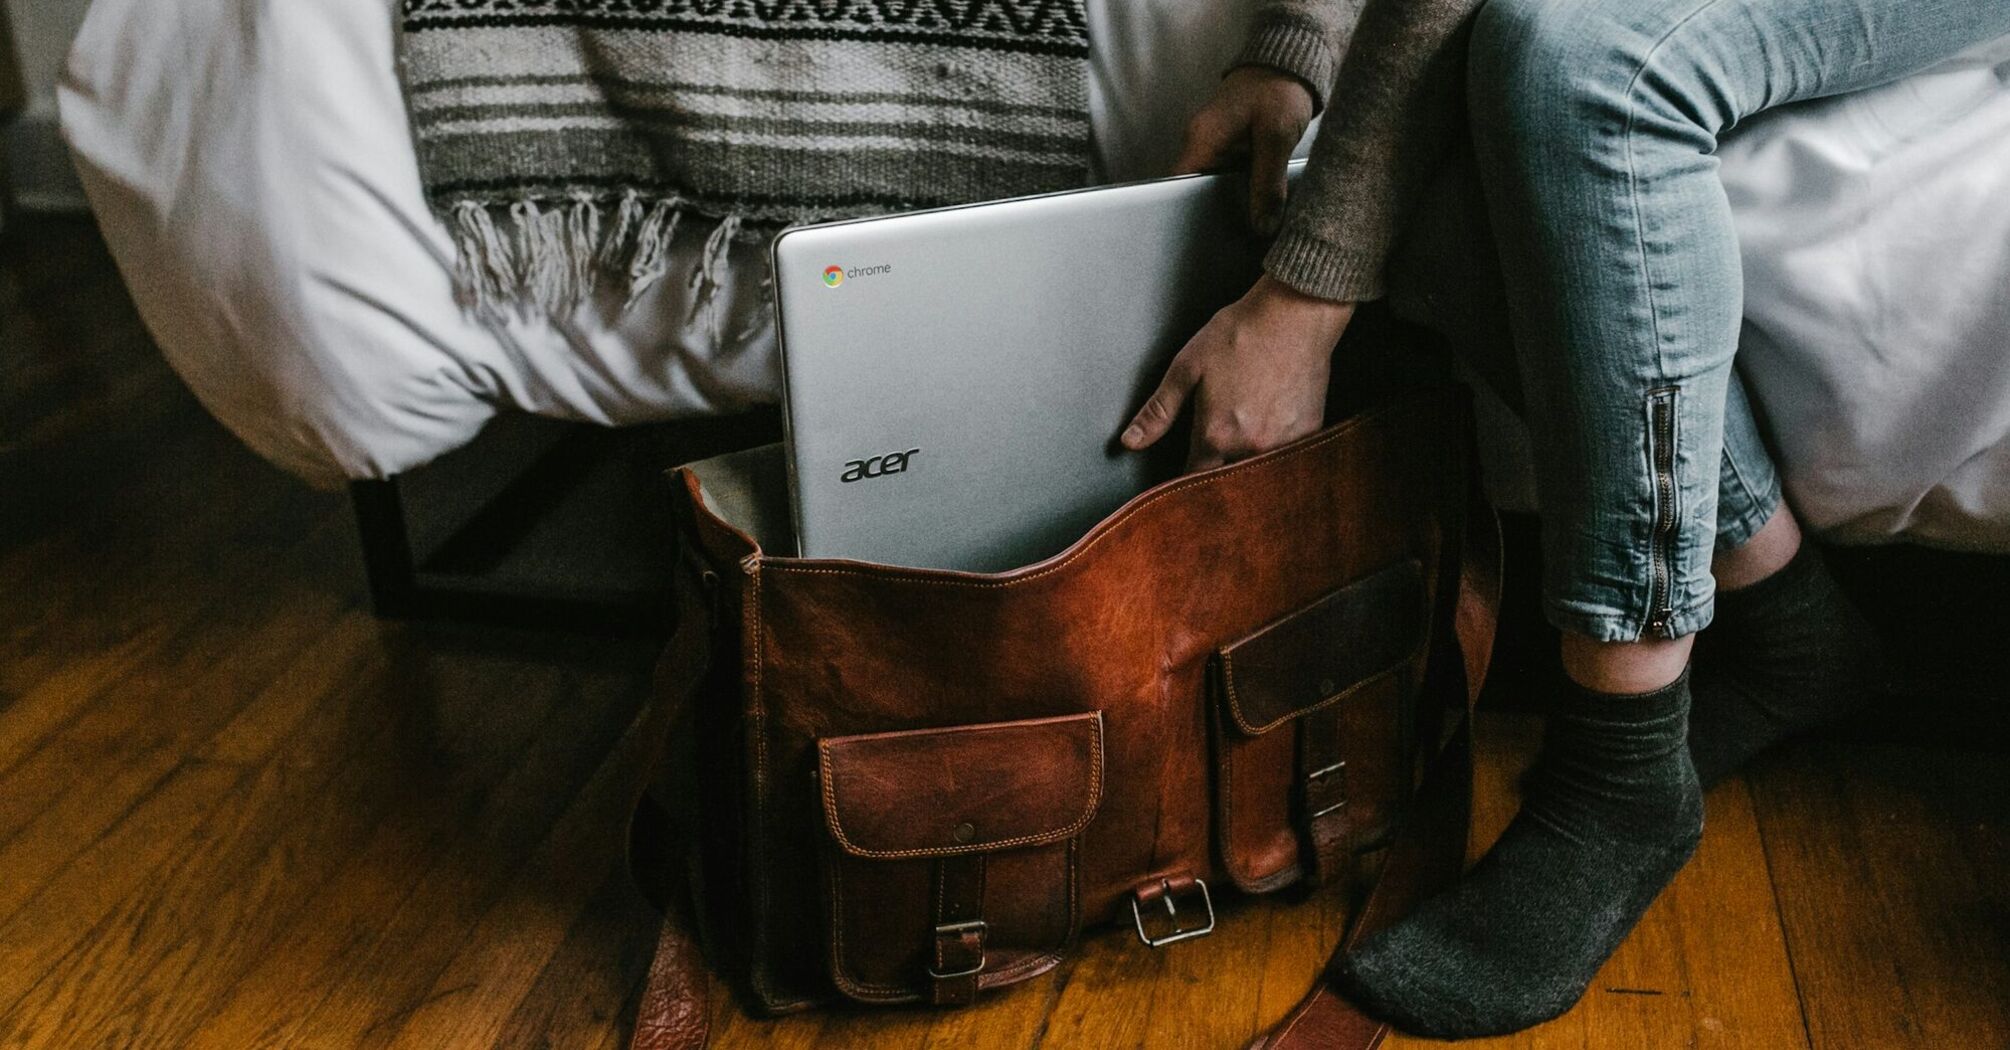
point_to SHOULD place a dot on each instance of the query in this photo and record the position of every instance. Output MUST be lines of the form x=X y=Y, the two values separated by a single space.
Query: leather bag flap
x=1322 y=653
x=964 y=789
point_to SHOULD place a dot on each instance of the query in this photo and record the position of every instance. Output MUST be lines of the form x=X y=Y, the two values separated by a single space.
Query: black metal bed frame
x=438 y=542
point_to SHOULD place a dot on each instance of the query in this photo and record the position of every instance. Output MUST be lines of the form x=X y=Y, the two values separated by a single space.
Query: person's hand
x=1259 y=113
x=1256 y=375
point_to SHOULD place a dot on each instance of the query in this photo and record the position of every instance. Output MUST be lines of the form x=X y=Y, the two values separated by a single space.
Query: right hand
x=1256 y=376
x=1259 y=113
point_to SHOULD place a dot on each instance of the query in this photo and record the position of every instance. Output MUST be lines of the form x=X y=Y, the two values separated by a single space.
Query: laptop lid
x=955 y=379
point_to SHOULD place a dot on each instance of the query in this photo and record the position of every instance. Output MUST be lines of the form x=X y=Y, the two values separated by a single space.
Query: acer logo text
x=877 y=466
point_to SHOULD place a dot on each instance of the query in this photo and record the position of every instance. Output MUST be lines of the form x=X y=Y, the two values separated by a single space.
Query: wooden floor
x=237 y=812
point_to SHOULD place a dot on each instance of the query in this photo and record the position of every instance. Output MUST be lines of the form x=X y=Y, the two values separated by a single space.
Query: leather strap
x=675 y=1010
x=958 y=952
x=1322 y=795
x=1428 y=854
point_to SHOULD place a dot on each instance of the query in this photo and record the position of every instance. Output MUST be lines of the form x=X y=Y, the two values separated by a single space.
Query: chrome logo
x=833 y=276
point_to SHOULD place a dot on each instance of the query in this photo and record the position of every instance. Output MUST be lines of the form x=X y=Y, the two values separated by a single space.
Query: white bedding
x=250 y=164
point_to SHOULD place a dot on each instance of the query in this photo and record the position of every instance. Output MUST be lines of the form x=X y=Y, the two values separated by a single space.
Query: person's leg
x=1595 y=121
x=1786 y=651
x=1756 y=533
x=1777 y=659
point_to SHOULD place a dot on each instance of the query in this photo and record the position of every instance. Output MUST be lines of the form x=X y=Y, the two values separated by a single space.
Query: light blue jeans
x=1594 y=127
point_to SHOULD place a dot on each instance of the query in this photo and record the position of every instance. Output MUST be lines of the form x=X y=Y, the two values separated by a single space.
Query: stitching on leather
x=1228 y=660
x=834 y=893
x=1227 y=766
x=895 y=993
x=1036 y=839
x=1303 y=1012
x=1073 y=929
x=1070 y=557
x=1342 y=695
x=757 y=718
x=1237 y=871
x=899 y=993
x=1074 y=892
x=983 y=881
x=839 y=975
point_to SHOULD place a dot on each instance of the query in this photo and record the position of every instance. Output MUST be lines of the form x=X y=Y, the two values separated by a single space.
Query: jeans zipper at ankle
x=1661 y=546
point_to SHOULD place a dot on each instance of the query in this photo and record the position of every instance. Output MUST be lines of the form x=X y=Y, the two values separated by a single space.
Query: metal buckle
x=1339 y=768
x=1172 y=916
x=950 y=929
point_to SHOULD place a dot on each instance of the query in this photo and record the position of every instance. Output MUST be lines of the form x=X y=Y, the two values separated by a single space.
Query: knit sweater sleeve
x=1394 y=111
x=1305 y=38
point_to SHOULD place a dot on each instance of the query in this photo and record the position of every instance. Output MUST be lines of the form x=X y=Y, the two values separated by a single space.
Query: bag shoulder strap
x=675 y=1009
x=1428 y=855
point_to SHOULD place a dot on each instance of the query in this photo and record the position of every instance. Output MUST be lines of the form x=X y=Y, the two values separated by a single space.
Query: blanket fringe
x=550 y=257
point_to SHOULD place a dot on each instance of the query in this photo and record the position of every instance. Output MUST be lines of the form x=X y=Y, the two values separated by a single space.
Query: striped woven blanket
x=565 y=139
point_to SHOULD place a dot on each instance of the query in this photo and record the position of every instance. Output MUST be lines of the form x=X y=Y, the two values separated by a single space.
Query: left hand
x=1259 y=114
x=1257 y=376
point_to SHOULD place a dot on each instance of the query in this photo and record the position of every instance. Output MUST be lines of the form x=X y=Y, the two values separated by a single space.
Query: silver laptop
x=955 y=380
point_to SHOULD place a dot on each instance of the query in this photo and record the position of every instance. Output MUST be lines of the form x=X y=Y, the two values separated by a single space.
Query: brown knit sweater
x=1396 y=70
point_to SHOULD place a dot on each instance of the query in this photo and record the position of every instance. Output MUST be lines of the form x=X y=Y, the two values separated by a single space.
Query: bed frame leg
x=387 y=547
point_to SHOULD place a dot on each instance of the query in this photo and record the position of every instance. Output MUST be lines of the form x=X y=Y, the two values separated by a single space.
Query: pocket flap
x=964 y=789
x=1319 y=654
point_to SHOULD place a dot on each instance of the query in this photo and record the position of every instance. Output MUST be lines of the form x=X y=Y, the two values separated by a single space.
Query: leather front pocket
x=1311 y=726
x=951 y=860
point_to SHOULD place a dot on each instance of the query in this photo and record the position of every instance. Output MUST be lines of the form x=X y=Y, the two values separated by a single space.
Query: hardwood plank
x=1891 y=867
x=1222 y=972
x=1016 y=1020
x=113 y=869
x=585 y=994
x=734 y=1029
x=156 y=719
x=1108 y=998
x=372 y=997
x=138 y=594
x=86 y=989
x=512 y=944
x=1706 y=966
x=215 y=906
x=98 y=787
x=433 y=799
x=55 y=696
x=408 y=741
x=38 y=941
x=1726 y=925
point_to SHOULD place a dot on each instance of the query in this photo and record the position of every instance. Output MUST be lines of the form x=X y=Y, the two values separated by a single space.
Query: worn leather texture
x=1325 y=690
x=908 y=774
x=954 y=850
x=965 y=789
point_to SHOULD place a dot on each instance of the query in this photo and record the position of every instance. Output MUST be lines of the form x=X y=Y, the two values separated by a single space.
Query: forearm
x=1305 y=38
x=1396 y=107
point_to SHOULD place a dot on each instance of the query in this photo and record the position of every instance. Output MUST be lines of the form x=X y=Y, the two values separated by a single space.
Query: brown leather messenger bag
x=892 y=785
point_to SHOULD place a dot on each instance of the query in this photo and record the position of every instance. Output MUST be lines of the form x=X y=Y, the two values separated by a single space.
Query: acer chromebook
x=955 y=380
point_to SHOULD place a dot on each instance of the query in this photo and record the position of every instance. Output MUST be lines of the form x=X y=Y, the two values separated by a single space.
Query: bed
x=250 y=165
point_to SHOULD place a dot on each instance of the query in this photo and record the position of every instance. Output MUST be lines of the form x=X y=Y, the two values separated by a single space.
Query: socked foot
x=1786 y=655
x=1612 y=811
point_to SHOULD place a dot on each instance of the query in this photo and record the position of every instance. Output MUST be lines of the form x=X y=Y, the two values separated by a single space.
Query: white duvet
x=250 y=164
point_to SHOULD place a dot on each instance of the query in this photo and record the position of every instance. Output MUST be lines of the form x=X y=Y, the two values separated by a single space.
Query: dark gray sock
x=1611 y=812
x=1783 y=656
